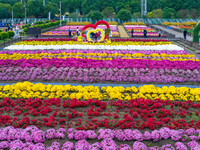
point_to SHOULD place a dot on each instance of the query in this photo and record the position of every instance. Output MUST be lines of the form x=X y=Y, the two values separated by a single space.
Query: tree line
x=97 y=9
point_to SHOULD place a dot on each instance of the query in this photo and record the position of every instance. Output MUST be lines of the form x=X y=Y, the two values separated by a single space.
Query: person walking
x=77 y=31
x=159 y=33
x=145 y=33
x=185 y=34
x=132 y=31
x=70 y=32
x=17 y=30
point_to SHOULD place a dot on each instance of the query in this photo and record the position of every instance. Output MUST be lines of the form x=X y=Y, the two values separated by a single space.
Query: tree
x=196 y=33
x=8 y=9
x=18 y=9
x=96 y=15
x=51 y=7
x=136 y=15
x=3 y=13
x=35 y=8
x=183 y=13
x=124 y=15
x=169 y=13
x=108 y=12
x=157 y=13
x=73 y=15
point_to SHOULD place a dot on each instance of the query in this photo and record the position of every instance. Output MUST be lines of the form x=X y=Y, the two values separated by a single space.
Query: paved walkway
x=171 y=31
x=122 y=32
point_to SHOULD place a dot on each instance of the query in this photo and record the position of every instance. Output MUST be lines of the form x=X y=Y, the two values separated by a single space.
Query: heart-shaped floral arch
x=95 y=26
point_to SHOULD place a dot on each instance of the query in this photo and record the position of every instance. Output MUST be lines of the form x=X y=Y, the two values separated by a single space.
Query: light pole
x=142 y=8
x=49 y=15
x=25 y=11
x=60 y=13
x=12 y=16
x=145 y=7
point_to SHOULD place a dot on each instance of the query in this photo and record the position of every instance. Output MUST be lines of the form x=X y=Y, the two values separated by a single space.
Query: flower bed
x=52 y=33
x=81 y=63
x=34 y=139
x=138 y=31
x=64 y=30
x=189 y=26
x=29 y=90
x=94 y=114
x=114 y=45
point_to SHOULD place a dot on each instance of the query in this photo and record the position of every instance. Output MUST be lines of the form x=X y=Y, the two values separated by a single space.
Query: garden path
x=122 y=32
x=177 y=34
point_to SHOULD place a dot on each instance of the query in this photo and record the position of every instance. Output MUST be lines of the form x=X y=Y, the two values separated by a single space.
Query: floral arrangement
x=93 y=114
x=78 y=23
x=187 y=24
x=138 y=30
x=108 y=139
x=114 y=45
x=134 y=23
x=102 y=93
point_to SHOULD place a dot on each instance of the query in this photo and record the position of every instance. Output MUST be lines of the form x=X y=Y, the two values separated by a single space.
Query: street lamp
x=60 y=13
x=142 y=8
x=25 y=11
x=12 y=16
x=145 y=7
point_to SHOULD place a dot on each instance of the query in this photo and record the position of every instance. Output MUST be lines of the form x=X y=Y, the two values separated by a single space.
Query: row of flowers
x=113 y=40
x=72 y=27
x=29 y=90
x=99 y=75
x=64 y=30
x=99 y=64
x=139 y=29
x=94 y=114
x=162 y=53
x=114 y=43
x=95 y=46
x=13 y=139
x=95 y=55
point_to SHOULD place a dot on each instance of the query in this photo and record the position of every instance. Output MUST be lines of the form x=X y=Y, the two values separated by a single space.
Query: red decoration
x=95 y=26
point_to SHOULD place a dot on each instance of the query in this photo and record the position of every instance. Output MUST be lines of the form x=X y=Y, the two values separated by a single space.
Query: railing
x=147 y=21
x=18 y=20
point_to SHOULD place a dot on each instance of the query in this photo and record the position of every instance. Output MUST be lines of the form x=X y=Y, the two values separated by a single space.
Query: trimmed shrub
x=196 y=33
x=11 y=34
x=1 y=37
x=5 y=35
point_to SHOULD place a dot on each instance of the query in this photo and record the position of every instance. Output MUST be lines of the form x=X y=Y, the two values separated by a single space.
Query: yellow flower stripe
x=30 y=90
x=75 y=42
x=100 y=56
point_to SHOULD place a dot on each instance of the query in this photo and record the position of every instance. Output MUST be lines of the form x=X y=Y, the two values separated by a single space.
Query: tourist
x=4 y=28
x=145 y=33
x=9 y=27
x=77 y=31
x=96 y=36
x=185 y=34
x=70 y=32
x=159 y=33
x=132 y=31
x=17 y=30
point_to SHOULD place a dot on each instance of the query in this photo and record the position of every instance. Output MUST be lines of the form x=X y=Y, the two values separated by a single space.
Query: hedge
x=11 y=34
x=5 y=35
x=1 y=37
x=196 y=33
x=46 y=25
